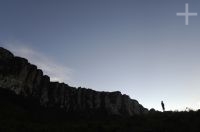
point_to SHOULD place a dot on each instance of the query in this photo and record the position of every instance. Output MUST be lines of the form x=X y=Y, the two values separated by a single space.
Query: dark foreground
x=24 y=115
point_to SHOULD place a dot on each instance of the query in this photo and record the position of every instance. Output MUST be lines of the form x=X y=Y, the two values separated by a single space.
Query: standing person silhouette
x=163 y=106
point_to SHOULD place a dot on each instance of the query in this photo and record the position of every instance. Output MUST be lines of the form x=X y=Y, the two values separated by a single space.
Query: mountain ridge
x=25 y=79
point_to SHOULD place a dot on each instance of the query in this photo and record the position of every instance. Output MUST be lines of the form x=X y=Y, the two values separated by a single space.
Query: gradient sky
x=138 y=47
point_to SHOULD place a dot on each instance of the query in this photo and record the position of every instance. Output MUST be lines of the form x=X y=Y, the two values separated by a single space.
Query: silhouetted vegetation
x=18 y=114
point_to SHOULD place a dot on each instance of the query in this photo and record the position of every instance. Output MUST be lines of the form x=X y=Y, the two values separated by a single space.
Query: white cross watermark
x=186 y=14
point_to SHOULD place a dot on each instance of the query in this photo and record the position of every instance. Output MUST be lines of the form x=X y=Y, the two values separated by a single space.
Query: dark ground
x=25 y=115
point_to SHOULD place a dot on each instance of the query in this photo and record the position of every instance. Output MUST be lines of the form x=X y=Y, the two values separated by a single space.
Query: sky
x=138 y=47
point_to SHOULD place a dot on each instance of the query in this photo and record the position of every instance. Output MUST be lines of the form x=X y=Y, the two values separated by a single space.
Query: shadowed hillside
x=23 y=78
x=30 y=102
x=24 y=114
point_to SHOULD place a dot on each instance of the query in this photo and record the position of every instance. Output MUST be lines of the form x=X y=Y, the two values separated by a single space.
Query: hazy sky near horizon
x=138 y=47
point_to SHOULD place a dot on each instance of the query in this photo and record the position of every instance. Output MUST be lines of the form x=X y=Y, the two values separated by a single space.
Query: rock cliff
x=23 y=78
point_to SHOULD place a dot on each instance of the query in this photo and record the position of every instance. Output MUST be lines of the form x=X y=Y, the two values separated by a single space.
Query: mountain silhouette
x=29 y=102
x=25 y=79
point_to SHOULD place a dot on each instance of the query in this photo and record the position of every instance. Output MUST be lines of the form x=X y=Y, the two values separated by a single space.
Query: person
x=163 y=106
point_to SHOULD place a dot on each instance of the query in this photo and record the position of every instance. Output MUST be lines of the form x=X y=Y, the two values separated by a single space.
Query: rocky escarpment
x=23 y=78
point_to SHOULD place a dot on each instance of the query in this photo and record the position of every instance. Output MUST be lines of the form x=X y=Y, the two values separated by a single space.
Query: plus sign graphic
x=186 y=14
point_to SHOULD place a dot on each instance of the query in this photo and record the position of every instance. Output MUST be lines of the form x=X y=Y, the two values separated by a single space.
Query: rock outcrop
x=18 y=75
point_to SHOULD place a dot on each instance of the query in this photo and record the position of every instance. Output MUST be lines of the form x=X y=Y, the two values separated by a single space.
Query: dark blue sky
x=138 y=47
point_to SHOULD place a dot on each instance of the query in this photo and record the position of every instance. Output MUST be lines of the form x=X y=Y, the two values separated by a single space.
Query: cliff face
x=18 y=75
